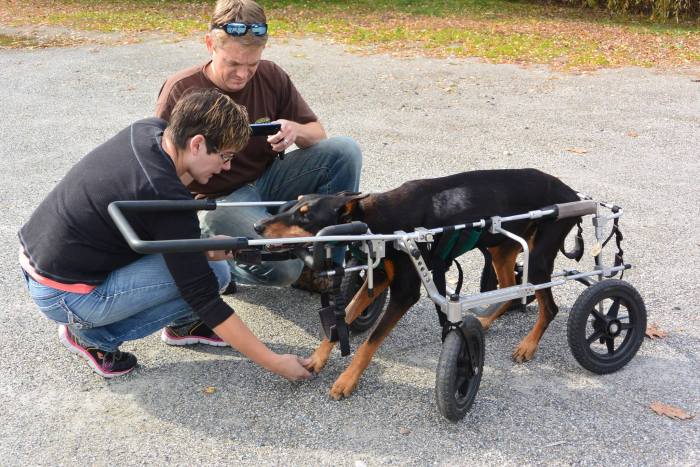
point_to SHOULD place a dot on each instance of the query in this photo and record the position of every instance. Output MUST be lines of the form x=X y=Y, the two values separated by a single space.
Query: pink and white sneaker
x=105 y=364
x=190 y=334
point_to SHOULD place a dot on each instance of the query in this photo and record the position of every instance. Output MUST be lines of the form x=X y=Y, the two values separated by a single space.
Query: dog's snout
x=259 y=228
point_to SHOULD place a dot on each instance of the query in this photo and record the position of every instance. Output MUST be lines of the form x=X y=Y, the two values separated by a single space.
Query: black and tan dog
x=456 y=199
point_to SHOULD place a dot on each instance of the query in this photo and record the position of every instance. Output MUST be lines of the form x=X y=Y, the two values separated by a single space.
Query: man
x=81 y=272
x=235 y=41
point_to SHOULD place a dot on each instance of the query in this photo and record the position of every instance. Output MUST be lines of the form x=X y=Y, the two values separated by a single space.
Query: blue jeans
x=133 y=302
x=330 y=166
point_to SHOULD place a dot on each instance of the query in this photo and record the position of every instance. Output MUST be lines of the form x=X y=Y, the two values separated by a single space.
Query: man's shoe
x=230 y=288
x=309 y=280
x=105 y=364
x=189 y=334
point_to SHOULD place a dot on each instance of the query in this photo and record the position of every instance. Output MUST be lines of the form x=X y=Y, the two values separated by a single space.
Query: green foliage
x=656 y=9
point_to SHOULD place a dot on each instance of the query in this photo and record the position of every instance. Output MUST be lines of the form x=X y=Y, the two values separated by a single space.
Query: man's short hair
x=237 y=11
x=208 y=112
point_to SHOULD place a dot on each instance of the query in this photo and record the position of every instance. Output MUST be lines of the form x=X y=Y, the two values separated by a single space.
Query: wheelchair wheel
x=606 y=326
x=352 y=282
x=459 y=369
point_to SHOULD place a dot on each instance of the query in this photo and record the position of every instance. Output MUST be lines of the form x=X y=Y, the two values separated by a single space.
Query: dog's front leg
x=320 y=356
x=347 y=381
x=357 y=305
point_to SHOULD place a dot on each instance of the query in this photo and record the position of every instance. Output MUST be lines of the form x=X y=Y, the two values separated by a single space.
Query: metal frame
x=374 y=245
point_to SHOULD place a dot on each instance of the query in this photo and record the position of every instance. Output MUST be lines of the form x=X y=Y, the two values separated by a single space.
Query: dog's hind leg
x=503 y=257
x=405 y=291
x=547 y=311
x=357 y=305
x=542 y=258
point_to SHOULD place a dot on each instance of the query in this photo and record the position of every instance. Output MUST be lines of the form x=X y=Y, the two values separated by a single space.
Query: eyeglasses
x=240 y=29
x=227 y=157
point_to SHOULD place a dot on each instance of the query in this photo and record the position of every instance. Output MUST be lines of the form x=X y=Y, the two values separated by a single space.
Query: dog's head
x=309 y=214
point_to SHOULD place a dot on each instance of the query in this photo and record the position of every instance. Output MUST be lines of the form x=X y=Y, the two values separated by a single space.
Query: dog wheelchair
x=605 y=326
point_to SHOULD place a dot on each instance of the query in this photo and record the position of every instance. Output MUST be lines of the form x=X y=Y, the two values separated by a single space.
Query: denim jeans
x=330 y=166
x=133 y=302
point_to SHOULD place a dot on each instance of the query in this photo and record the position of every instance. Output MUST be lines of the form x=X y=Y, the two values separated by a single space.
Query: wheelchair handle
x=116 y=211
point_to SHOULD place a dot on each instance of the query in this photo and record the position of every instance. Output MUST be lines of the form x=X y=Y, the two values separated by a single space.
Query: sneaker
x=189 y=334
x=308 y=280
x=105 y=364
x=230 y=288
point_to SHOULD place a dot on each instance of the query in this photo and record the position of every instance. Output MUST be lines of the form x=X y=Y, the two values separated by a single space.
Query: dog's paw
x=343 y=386
x=320 y=357
x=524 y=351
x=317 y=363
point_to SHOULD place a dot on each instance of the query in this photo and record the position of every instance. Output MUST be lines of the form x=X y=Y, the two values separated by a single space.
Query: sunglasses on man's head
x=239 y=29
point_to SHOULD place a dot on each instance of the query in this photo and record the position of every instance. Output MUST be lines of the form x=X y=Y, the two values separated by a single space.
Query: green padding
x=474 y=235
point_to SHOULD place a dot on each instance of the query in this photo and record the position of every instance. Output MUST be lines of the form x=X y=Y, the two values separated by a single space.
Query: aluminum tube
x=231 y=204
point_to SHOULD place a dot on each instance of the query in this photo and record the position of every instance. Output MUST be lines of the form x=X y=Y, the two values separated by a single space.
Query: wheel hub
x=614 y=328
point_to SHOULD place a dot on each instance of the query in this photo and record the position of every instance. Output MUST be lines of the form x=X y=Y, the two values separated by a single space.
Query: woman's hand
x=291 y=367
x=219 y=255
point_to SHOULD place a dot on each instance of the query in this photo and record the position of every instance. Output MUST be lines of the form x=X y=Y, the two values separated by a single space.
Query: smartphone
x=264 y=129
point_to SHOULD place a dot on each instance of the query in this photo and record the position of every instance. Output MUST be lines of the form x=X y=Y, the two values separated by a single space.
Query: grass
x=501 y=31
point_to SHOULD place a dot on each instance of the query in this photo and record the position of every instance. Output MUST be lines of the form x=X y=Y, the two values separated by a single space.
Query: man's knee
x=348 y=160
x=347 y=150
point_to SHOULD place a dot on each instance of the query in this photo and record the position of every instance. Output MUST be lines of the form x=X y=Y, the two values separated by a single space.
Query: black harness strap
x=618 y=240
x=332 y=313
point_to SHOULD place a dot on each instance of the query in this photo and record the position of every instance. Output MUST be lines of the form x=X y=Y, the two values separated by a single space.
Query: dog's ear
x=348 y=210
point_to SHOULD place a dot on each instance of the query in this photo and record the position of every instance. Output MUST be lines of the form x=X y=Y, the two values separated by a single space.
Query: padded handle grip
x=352 y=228
x=576 y=209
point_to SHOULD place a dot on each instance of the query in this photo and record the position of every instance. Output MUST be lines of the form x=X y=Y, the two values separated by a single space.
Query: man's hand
x=219 y=255
x=303 y=135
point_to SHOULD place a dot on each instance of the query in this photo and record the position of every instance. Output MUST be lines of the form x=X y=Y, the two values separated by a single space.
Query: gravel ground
x=413 y=118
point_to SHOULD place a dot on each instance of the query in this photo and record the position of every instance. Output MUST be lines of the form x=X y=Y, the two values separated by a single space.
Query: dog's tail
x=577 y=252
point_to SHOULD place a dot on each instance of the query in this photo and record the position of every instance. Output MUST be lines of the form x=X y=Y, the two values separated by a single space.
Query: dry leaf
x=209 y=390
x=653 y=332
x=576 y=150
x=670 y=411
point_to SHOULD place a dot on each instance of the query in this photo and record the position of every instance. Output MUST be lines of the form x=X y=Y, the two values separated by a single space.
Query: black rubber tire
x=456 y=382
x=587 y=348
x=352 y=282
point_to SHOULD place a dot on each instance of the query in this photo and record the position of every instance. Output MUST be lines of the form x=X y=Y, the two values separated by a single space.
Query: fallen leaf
x=670 y=411
x=653 y=332
x=576 y=150
x=209 y=390
x=632 y=134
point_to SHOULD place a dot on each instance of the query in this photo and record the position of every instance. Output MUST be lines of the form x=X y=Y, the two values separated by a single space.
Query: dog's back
x=465 y=197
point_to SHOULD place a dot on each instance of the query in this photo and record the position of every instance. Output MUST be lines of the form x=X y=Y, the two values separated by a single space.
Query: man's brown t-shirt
x=268 y=96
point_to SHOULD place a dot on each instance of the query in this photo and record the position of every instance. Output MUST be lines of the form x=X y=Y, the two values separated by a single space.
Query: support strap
x=332 y=313
x=619 y=261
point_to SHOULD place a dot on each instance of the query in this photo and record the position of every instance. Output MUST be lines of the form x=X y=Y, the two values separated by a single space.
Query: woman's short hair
x=208 y=112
